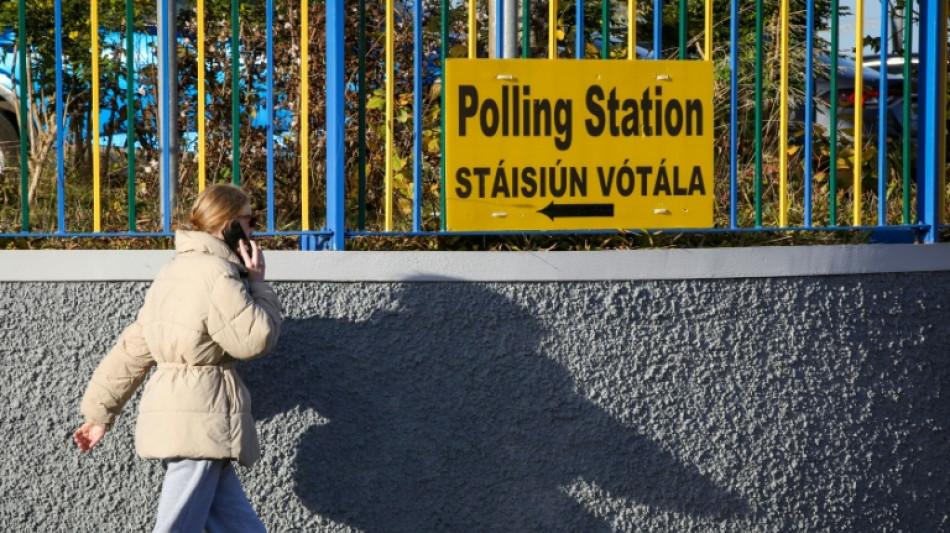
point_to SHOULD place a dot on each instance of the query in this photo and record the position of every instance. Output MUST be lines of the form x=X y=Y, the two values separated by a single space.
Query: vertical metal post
x=500 y=29
x=905 y=145
x=733 y=113
x=361 y=118
x=931 y=119
x=684 y=29
x=444 y=50
x=580 y=36
x=304 y=134
x=882 y=109
x=417 y=116
x=60 y=122
x=833 y=113
x=336 y=200
x=856 y=167
x=511 y=29
x=758 y=108
x=526 y=27
x=809 y=106
x=167 y=110
x=235 y=93
x=272 y=113
x=130 y=107
x=23 y=84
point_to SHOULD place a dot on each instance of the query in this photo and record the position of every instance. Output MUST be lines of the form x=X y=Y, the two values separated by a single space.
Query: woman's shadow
x=447 y=414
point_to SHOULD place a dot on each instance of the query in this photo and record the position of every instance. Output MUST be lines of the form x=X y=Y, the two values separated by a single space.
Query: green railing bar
x=24 y=149
x=833 y=153
x=444 y=27
x=758 y=113
x=235 y=96
x=683 y=29
x=908 y=35
x=605 y=29
x=130 y=105
x=525 y=27
x=361 y=121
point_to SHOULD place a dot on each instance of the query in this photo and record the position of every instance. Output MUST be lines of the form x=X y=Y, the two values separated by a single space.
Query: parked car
x=895 y=65
x=895 y=68
x=871 y=100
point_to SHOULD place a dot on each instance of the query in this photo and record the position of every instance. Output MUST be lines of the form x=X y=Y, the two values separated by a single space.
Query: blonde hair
x=216 y=206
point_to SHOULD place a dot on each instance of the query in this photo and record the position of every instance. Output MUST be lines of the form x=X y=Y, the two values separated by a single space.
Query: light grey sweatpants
x=204 y=495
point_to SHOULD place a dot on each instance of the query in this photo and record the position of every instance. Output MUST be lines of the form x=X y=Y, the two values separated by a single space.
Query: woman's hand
x=88 y=435
x=253 y=260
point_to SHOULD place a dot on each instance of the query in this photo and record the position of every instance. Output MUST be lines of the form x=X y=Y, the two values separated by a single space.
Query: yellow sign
x=535 y=144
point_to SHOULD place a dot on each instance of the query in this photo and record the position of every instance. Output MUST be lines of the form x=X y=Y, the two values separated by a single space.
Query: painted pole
x=336 y=116
x=931 y=121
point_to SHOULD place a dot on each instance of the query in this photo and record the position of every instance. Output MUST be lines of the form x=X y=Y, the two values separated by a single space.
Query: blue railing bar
x=733 y=114
x=852 y=229
x=60 y=122
x=500 y=28
x=136 y=235
x=905 y=138
x=21 y=81
x=657 y=29
x=167 y=41
x=579 y=32
x=882 y=101
x=809 y=104
x=444 y=50
x=931 y=118
x=336 y=117
x=417 y=117
x=130 y=109
x=235 y=92
x=272 y=112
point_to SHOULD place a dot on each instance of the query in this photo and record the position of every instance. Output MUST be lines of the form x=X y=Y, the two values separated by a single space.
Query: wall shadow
x=446 y=415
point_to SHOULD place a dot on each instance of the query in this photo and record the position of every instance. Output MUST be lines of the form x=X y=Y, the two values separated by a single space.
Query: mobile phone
x=233 y=234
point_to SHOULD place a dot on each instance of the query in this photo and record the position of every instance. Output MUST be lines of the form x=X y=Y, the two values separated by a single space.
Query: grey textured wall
x=729 y=405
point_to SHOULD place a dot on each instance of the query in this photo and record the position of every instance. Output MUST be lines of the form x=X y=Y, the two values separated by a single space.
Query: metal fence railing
x=335 y=119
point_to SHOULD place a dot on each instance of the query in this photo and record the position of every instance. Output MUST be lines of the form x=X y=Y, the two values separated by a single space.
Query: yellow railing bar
x=96 y=197
x=305 y=115
x=783 y=122
x=859 y=106
x=708 y=43
x=552 y=29
x=472 y=30
x=202 y=153
x=631 y=29
x=390 y=99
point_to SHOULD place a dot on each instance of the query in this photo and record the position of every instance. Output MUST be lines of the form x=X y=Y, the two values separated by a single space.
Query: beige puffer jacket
x=200 y=316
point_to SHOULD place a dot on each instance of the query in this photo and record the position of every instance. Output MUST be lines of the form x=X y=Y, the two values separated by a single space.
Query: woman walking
x=207 y=308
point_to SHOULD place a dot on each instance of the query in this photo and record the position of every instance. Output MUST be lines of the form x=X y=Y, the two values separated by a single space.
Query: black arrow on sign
x=554 y=210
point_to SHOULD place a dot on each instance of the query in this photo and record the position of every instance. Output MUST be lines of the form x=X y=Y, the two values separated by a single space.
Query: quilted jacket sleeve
x=244 y=319
x=117 y=377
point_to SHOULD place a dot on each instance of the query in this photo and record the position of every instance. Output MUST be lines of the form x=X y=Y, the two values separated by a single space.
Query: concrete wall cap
x=707 y=263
